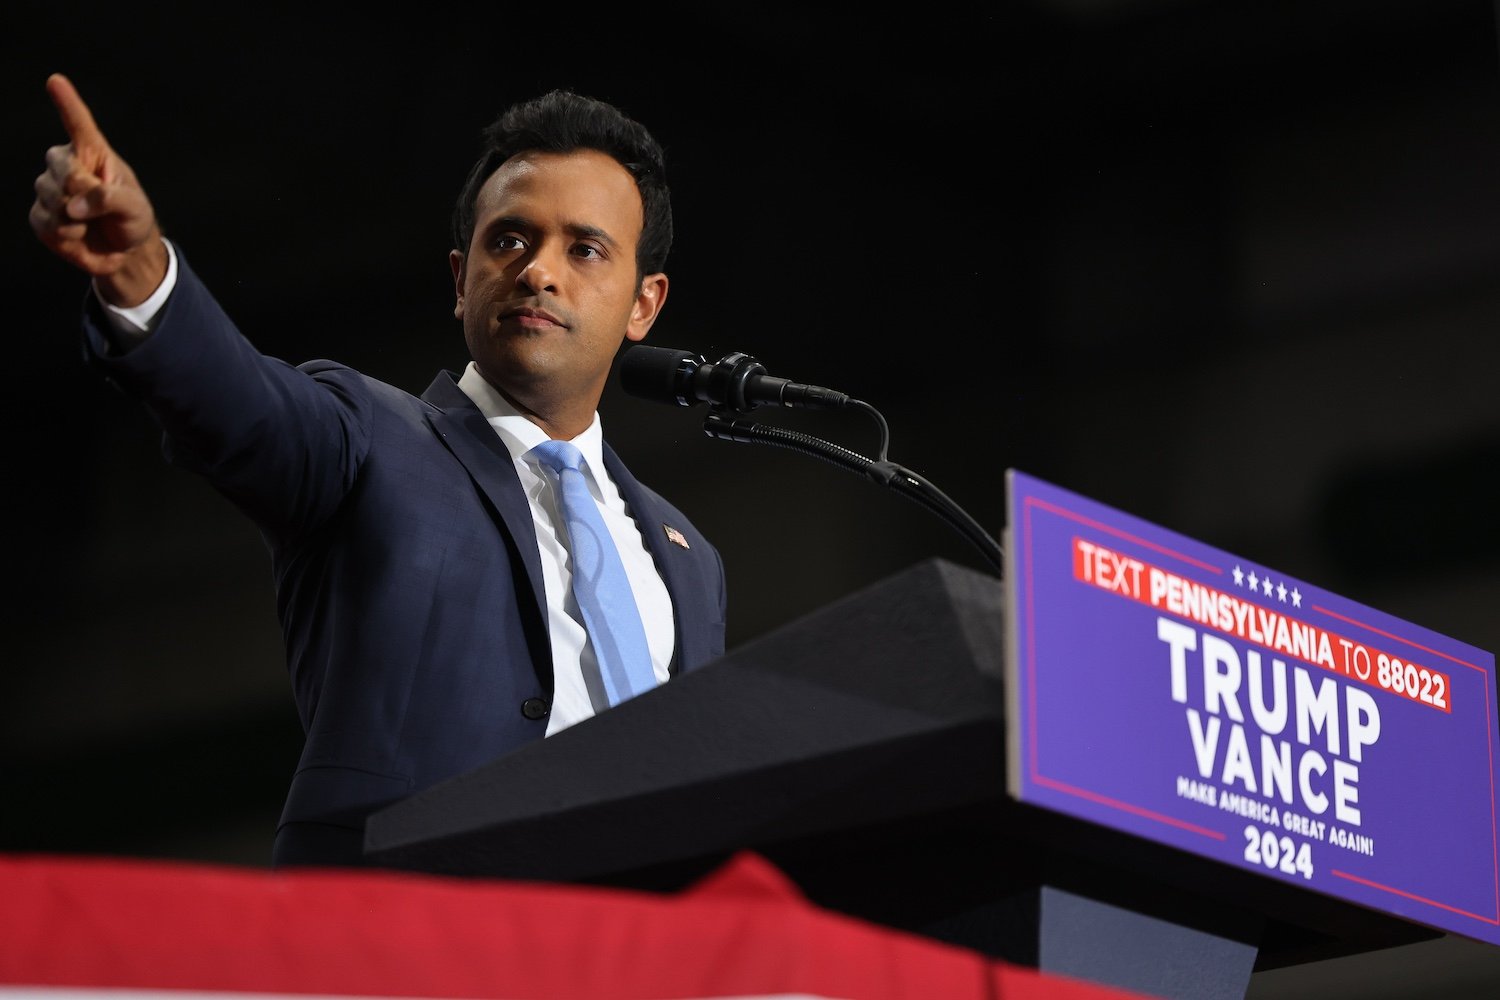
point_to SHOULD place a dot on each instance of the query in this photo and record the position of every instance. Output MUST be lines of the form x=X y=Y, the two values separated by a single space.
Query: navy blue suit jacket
x=408 y=578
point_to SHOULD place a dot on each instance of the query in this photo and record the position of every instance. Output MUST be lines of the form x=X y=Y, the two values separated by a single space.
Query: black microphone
x=736 y=382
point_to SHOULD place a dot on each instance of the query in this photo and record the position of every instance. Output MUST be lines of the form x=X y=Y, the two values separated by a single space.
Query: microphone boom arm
x=902 y=480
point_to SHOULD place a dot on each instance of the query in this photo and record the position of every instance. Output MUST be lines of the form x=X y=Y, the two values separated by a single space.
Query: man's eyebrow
x=583 y=230
x=506 y=222
x=577 y=230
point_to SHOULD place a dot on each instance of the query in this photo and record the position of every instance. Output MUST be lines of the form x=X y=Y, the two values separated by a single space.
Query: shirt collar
x=517 y=431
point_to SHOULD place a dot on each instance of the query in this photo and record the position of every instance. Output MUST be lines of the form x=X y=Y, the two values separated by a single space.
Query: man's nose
x=539 y=274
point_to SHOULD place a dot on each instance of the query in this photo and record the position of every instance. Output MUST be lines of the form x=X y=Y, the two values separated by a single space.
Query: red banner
x=92 y=924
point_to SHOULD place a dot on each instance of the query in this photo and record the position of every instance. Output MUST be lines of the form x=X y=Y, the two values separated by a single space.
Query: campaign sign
x=1208 y=702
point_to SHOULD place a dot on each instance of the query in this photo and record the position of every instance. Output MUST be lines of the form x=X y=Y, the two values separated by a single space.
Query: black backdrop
x=1232 y=267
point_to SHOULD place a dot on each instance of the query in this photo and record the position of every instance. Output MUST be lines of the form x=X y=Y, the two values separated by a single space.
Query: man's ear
x=649 y=299
x=456 y=264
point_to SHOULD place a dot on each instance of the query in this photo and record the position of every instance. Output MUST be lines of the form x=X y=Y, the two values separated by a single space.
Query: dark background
x=1232 y=267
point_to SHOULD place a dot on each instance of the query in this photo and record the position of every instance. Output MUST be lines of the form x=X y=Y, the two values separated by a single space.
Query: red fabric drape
x=744 y=931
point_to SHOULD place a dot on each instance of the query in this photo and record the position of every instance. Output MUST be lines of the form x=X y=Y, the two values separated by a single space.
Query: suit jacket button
x=535 y=708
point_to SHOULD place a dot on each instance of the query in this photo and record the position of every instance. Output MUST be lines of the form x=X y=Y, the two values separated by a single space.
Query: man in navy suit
x=421 y=564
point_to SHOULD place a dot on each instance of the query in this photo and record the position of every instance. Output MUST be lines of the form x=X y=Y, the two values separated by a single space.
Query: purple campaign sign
x=1202 y=700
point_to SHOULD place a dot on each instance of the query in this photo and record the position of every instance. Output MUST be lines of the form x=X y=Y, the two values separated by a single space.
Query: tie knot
x=558 y=455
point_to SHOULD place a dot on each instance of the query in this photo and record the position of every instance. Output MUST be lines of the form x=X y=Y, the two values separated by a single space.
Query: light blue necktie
x=599 y=581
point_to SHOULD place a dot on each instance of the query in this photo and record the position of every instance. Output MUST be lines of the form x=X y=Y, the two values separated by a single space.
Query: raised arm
x=92 y=212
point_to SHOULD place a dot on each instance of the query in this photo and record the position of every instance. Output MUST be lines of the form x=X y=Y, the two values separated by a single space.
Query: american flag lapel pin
x=674 y=536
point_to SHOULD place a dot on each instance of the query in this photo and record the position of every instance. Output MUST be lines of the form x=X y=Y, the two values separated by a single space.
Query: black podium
x=861 y=749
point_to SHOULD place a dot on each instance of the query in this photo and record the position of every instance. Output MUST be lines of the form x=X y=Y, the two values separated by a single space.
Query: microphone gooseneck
x=737 y=384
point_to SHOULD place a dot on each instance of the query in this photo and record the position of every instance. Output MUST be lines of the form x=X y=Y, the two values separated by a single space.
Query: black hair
x=562 y=121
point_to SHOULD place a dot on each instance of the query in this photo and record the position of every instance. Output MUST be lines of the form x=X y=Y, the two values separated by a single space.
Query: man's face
x=548 y=291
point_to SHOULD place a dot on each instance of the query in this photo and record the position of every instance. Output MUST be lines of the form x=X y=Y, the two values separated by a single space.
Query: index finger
x=76 y=116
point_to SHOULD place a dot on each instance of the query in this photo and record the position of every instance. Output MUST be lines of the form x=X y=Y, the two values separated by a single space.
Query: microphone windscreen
x=657 y=373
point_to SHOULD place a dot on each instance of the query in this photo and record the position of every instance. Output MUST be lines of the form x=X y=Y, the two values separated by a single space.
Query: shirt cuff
x=136 y=322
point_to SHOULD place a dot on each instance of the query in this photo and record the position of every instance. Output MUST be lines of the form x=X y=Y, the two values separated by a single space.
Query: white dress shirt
x=579 y=691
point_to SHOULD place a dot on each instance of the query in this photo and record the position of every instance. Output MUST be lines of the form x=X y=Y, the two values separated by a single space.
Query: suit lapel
x=675 y=571
x=465 y=432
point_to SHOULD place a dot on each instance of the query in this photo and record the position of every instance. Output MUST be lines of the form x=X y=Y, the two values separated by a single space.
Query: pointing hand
x=91 y=211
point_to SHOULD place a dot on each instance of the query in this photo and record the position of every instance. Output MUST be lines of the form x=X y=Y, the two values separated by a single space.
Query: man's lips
x=531 y=318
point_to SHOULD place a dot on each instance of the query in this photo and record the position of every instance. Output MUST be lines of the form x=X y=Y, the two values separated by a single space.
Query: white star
x=1296 y=598
x=1239 y=577
x=1254 y=580
x=1265 y=585
x=1281 y=592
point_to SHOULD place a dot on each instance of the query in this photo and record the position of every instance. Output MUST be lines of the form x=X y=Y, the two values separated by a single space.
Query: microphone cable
x=739 y=383
x=881 y=471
